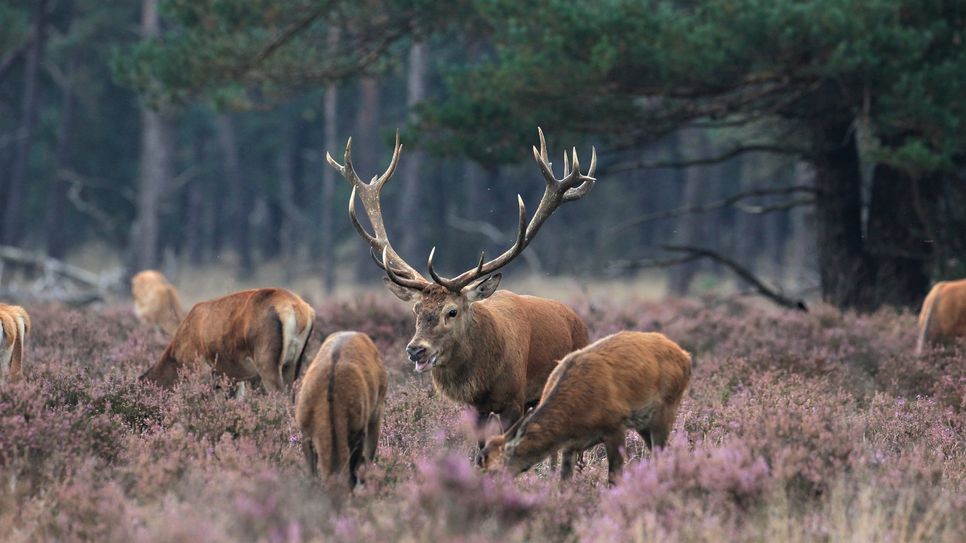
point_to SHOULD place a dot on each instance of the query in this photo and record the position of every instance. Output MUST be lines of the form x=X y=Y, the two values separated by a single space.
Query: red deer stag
x=339 y=406
x=628 y=380
x=254 y=333
x=14 y=327
x=156 y=301
x=943 y=315
x=492 y=350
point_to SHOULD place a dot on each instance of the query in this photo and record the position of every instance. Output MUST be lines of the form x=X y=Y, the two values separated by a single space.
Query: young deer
x=339 y=405
x=156 y=301
x=254 y=333
x=489 y=349
x=943 y=315
x=628 y=380
x=14 y=327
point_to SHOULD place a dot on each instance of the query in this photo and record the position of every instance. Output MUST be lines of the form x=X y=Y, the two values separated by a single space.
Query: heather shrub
x=795 y=427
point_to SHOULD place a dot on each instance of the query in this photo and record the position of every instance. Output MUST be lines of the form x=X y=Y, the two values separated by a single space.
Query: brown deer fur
x=943 y=315
x=629 y=380
x=254 y=333
x=156 y=301
x=496 y=352
x=14 y=327
x=339 y=405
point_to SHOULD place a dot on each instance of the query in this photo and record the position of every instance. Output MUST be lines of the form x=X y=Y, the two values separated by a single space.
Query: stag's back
x=342 y=392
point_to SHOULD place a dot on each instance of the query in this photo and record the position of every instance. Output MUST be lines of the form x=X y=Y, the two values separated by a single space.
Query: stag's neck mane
x=473 y=361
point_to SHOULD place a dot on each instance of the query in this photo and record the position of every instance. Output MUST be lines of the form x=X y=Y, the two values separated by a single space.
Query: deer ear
x=405 y=294
x=484 y=289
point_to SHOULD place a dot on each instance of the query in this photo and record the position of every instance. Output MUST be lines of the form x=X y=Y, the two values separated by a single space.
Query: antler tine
x=373 y=242
x=572 y=186
x=378 y=240
x=399 y=280
x=586 y=182
x=396 y=151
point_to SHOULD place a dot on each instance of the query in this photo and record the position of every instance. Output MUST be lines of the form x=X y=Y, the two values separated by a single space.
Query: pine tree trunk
x=801 y=266
x=846 y=271
x=690 y=226
x=409 y=200
x=13 y=226
x=329 y=205
x=366 y=154
x=154 y=171
x=239 y=195
x=195 y=239
x=57 y=192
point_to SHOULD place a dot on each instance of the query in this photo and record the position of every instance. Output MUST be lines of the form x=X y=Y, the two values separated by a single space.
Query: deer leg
x=567 y=464
x=372 y=436
x=356 y=459
x=311 y=457
x=615 y=458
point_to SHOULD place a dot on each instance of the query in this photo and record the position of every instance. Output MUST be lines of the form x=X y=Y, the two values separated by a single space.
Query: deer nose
x=415 y=352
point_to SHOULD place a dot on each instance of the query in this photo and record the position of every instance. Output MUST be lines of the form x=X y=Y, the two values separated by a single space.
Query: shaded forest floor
x=818 y=426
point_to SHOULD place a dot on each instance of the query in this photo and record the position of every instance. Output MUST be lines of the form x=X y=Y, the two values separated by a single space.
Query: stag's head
x=443 y=306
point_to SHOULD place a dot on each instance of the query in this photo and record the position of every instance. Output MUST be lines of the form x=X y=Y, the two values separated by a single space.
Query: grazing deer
x=156 y=301
x=254 y=333
x=943 y=315
x=628 y=380
x=339 y=405
x=489 y=349
x=14 y=327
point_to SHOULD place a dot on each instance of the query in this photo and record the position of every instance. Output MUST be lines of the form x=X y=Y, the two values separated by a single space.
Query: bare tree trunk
x=846 y=271
x=13 y=217
x=330 y=109
x=195 y=239
x=239 y=195
x=367 y=151
x=155 y=167
x=57 y=191
x=800 y=267
x=689 y=226
x=292 y=219
x=409 y=200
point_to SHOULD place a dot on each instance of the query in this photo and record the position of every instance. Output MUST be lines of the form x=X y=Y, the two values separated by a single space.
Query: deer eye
x=451 y=313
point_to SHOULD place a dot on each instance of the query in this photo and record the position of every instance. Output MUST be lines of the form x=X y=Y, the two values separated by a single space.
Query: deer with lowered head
x=260 y=333
x=14 y=327
x=156 y=301
x=489 y=349
x=943 y=315
x=339 y=405
x=625 y=381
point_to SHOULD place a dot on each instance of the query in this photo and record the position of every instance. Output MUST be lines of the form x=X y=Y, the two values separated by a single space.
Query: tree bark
x=846 y=271
x=800 y=266
x=57 y=191
x=411 y=169
x=239 y=196
x=365 y=154
x=155 y=167
x=689 y=226
x=13 y=226
x=897 y=238
x=195 y=238
x=330 y=110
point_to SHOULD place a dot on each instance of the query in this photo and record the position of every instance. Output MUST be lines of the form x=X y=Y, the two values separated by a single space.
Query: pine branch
x=734 y=199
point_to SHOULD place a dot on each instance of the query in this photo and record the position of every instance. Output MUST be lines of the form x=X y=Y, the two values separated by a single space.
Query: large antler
x=573 y=186
x=395 y=267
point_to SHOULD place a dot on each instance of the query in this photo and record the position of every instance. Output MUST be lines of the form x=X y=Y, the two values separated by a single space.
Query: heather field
x=796 y=427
